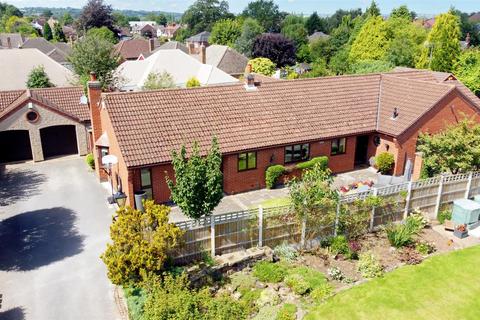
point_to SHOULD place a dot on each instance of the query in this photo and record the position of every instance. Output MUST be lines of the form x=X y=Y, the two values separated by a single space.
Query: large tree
x=198 y=186
x=38 y=78
x=443 y=44
x=202 y=15
x=47 y=32
x=103 y=33
x=96 y=14
x=402 y=12
x=336 y=19
x=373 y=10
x=275 y=47
x=467 y=69
x=266 y=12
x=94 y=54
x=371 y=42
x=294 y=29
x=314 y=23
x=9 y=10
x=23 y=26
x=456 y=149
x=225 y=32
x=251 y=29
x=58 y=34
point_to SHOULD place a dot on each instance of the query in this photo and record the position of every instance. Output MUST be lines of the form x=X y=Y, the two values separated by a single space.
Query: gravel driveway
x=54 y=224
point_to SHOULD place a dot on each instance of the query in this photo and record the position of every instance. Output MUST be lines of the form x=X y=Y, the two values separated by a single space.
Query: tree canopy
x=158 y=80
x=38 y=78
x=275 y=47
x=47 y=32
x=314 y=23
x=293 y=28
x=203 y=14
x=402 y=12
x=251 y=29
x=96 y=14
x=467 y=69
x=266 y=12
x=225 y=32
x=371 y=42
x=103 y=33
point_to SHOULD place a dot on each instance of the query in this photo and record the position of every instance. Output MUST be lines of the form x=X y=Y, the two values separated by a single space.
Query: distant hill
x=75 y=12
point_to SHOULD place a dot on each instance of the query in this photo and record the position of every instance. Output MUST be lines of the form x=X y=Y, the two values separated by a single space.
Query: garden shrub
x=443 y=215
x=287 y=312
x=339 y=245
x=425 y=248
x=323 y=161
x=384 y=162
x=297 y=283
x=399 y=235
x=416 y=222
x=336 y=274
x=320 y=293
x=90 y=160
x=272 y=174
x=242 y=281
x=354 y=249
x=268 y=297
x=267 y=313
x=224 y=308
x=249 y=299
x=269 y=272
x=368 y=266
x=286 y=252
x=263 y=66
x=135 y=300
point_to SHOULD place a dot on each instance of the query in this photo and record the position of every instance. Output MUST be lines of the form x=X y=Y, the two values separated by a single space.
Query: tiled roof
x=132 y=48
x=149 y=125
x=16 y=40
x=201 y=37
x=56 y=51
x=63 y=99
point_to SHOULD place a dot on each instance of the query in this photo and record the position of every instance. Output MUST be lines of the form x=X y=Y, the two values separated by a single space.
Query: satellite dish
x=109 y=160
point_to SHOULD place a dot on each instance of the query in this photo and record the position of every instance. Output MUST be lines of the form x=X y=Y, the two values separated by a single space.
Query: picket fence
x=236 y=231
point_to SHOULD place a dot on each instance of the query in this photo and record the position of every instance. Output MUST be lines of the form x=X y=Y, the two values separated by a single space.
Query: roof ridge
x=418 y=80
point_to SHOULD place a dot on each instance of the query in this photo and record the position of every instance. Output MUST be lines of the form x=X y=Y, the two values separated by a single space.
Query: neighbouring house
x=11 y=40
x=16 y=64
x=70 y=33
x=347 y=118
x=317 y=35
x=58 y=51
x=136 y=49
x=225 y=59
x=36 y=124
x=137 y=26
x=169 y=45
x=132 y=74
x=475 y=18
x=169 y=31
x=195 y=42
x=148 y=31
x=124 y=33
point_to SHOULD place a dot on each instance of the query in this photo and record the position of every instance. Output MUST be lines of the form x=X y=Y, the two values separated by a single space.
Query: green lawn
x=443 y=287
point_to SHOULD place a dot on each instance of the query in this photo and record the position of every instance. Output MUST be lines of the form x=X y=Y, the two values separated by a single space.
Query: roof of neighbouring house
x=277 y=113
x=226 y=59
x=475 y=17
x=16 y=64
x=318 y=35
x=133 y=48
x=62 y=99
x=173 y=45
x=58 y=51
x=201 y=37
x=16 y=40
x=177 y=63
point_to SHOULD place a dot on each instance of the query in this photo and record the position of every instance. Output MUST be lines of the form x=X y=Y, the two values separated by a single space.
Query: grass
x=275 y=202
x=442 y=287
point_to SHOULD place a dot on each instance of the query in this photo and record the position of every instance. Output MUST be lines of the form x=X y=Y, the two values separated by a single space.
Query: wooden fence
x=236 y=231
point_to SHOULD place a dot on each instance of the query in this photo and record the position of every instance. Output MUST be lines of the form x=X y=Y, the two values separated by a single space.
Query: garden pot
x=460 y=234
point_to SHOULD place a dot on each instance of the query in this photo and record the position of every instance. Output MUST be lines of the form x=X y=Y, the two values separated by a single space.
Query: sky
x=295 y=6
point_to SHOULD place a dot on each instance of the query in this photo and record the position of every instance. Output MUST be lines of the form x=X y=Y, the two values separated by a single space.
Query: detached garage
x=37 y=124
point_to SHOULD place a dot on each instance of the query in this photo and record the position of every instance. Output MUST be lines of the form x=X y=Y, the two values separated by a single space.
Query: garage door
x=58 y=141
x=15 y=146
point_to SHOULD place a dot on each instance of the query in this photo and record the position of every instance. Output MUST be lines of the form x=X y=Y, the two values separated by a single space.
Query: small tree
x=58 y=34
x=96 y=14
x=251 y=29
x=455 y=149
x=198 y=186
x=314 y=23
x=38 y=78
x=225 y=32
x=262 y=66
x=467 y=69
x=47 y=32
x=141 y=242
x=103 y=33
x=156 y=81
x=193 y=82
x=276 y=47
x=371 y=42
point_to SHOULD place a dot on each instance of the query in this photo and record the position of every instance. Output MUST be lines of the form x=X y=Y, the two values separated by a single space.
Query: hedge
x=272 y=174
x=310 y=163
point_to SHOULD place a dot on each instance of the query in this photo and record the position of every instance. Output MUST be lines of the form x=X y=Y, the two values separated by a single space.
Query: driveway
x=54 y=224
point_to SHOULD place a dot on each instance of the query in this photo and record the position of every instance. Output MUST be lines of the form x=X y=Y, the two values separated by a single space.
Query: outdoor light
x=120 y=198
x=108 y=162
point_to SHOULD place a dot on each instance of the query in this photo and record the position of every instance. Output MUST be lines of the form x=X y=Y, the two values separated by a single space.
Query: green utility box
x=465 y=211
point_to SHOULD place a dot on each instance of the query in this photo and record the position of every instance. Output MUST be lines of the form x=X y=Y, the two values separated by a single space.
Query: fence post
x=469 y=185
x=212 y=235
x=304 y=230
x=260 y=226
x=407 y=200
x=337 y=217
x=439 y=196
x=372 y=219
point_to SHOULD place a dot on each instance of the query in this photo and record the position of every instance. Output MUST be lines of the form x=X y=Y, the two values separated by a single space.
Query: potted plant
x=461 y=231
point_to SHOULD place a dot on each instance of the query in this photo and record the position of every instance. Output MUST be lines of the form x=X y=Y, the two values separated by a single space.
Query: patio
x=274 y=197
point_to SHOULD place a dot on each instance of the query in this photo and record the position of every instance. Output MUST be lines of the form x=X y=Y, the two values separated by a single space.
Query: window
x=32 y=116
x=297 y=152
x=338 y=146
x=146 y=182
x=247 y=161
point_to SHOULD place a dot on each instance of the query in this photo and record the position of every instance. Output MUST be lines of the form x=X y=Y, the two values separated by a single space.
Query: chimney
x=250 y=83
x=191 y=48
x=9 y=43
x=203 y=54
x=151 y=44
x=94 y=89
x=248 y=69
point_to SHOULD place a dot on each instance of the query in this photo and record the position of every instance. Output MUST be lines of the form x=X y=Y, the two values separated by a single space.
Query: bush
x=272 y=174
x=224 y=308
x=354 y=249
x=287 y=312
x=399 y=235
x=425 y=248
x=269 y=272
x=415 y=223
x=286 y=252
x=90 y=160
x=263 y=66
x=339 y=245
x=444 y=215
x=310 y=163
x=336 y=274
x=368 y=266
x=320 y=293
x=384 y=162
x=297 y=283
x=135 y=301
x=193 y=82
x=313 y=277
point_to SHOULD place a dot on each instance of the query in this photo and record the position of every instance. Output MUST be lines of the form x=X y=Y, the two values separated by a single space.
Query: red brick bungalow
x=347 y=118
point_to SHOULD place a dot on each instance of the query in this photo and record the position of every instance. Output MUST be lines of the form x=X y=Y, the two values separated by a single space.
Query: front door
x=361 y=150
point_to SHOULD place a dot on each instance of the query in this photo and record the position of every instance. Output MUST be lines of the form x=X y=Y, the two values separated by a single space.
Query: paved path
x=54 y=224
